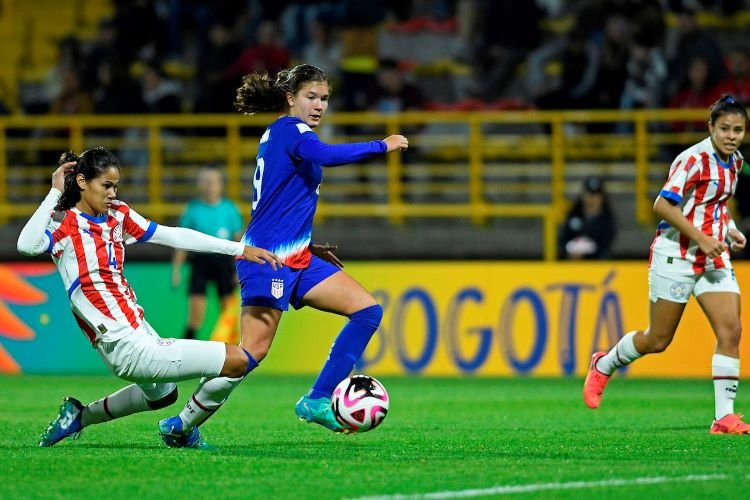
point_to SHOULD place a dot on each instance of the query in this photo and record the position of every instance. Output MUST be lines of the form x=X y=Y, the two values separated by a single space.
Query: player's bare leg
x=664 y=316
x=723 y=312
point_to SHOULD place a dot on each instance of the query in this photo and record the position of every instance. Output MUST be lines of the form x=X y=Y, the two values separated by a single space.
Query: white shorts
x=142 y=356
x=674 y=280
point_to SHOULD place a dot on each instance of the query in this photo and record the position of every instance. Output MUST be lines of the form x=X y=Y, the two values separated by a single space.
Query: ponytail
x=725 y=105
x=91 y=164
x=260 y=93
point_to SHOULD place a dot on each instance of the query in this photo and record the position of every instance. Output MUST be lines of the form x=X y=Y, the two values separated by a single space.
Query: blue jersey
x=286 y=186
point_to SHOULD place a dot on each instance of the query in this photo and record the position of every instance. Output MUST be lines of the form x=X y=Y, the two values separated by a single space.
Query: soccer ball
x=360 y=403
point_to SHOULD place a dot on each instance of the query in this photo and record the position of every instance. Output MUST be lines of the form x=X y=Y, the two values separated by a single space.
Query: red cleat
x=595 y=383
x=730 y=424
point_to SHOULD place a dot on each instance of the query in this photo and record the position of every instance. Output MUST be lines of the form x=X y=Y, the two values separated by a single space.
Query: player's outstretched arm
x=194 y=241
x=331 y=155
x=33 y=239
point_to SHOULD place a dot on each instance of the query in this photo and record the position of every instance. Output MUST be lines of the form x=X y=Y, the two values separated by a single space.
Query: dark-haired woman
x=286 y=185
x=690 y=256
x=88 y=247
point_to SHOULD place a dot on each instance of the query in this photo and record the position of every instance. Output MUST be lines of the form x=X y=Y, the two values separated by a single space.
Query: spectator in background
x=72 y=100
x=102 y=50
x=358 y=20
x=266 y=54
x=612 y=68
x=115 y=91
x=509 y=31
x=160 y=94
x=392 y=93
x=579 y=59
x=213 y=214
x=139 y=31
x=59 y=79
x=647 y=73
x=590 y=226
x=696 y=91
x=688 y=42
x=737 y=82
x=215 y=91
x=323 y=49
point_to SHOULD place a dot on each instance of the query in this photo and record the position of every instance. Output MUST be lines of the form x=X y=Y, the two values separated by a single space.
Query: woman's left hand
x=58 y=176
x=325 y=252
x=737 y=239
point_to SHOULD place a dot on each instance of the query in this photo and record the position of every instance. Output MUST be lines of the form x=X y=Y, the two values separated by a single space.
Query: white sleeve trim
x=194 y=241
x=34 y=238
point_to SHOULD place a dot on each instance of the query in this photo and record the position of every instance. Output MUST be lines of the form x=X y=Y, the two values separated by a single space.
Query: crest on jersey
x=117 y=233
x=277 y=288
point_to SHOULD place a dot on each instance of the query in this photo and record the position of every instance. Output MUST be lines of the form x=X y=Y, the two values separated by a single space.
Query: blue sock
x=251 y=362
x=346 y=350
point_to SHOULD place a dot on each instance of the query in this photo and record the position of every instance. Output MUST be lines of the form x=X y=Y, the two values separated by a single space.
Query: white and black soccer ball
x=360 y=403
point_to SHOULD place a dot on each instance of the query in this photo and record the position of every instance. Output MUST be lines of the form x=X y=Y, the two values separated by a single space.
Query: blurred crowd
x=164 y=56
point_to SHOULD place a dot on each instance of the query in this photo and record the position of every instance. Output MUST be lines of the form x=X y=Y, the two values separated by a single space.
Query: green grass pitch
x=460 y=437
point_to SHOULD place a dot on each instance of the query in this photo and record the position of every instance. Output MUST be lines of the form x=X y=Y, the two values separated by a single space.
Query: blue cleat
x=173 y=436
x=318 y=411
x=66 y=423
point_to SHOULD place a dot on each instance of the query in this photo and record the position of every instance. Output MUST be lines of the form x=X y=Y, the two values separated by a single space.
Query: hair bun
x=67 y=157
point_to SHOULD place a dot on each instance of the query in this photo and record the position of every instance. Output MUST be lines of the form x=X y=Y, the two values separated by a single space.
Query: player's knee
x=236 y=363
x=167 y=400
x=369 y=316
x=728 y=338
x=658 y=345
x=258 y=348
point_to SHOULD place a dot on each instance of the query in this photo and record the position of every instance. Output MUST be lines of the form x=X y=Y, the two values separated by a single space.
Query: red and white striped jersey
x=89 y=253
x=701 y=184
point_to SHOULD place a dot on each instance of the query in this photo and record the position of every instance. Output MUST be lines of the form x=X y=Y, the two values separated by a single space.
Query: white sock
x=208 y=397
x=126 y=401
x=623 y=353
x=726 y=374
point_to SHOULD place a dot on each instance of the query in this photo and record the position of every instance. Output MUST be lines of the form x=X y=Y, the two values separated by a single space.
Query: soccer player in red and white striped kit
x=690 y=256
x=88 y=247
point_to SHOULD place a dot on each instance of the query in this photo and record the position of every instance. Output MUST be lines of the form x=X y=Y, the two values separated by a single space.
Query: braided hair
x=91 y=164
x=259 y=92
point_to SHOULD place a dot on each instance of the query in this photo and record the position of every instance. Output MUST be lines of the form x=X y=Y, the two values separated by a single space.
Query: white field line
x=534 y=487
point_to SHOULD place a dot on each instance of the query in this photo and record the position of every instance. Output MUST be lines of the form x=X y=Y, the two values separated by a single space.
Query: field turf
x=446 y=437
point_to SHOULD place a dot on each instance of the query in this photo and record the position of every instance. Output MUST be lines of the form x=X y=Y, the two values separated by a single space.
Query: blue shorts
x=260 y=285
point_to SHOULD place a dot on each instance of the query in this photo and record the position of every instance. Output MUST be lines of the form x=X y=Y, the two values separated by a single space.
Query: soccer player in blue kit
x=286 y=187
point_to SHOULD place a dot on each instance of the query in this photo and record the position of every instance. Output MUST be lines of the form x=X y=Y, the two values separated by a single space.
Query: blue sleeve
x=330 y=155
x=673 y=197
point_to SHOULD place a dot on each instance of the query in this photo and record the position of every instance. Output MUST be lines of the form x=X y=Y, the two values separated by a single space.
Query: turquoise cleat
x=66 y=423
x=318 y=411
x=173 y=436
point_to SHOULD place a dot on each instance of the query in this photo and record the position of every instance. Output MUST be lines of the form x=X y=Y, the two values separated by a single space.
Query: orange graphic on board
x=14 y=289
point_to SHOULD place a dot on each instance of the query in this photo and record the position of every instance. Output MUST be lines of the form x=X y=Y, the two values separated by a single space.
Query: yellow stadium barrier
x=473 y=165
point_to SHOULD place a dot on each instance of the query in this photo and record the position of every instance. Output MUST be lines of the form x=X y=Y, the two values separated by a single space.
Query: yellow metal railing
x=473 y=165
